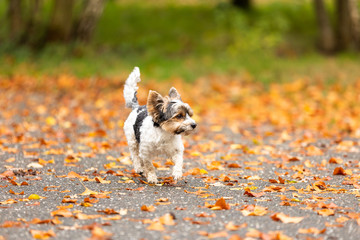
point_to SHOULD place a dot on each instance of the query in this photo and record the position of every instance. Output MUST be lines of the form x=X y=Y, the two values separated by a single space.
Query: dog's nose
x=193 y=125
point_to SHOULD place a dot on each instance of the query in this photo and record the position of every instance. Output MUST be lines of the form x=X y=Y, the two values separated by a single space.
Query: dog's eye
x=179 y=116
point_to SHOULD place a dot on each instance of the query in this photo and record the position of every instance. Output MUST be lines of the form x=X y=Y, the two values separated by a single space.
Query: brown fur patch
x=160 y=109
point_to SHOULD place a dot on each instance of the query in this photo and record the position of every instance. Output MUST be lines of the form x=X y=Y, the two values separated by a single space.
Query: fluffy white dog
x=156 y=128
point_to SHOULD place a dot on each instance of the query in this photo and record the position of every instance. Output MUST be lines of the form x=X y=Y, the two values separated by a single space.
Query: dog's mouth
x=179 y=131
x=184 y=131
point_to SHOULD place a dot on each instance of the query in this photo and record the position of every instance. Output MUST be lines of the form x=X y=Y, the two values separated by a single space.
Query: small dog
x=156 y=129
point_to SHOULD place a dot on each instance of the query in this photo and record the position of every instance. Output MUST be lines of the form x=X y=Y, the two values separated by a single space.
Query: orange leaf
x=99 y=233
x=147 y=208
x=69 y=200
x=38 y=234
x=312 y=231
x=285 y=218
x=233 y=165
x=167 y=219
x=108 y=211
x=254 y=211
x=12 y=192
x=221 y=205
x=235 y=237
x=62 y=213
x=9 y=201
x=101 y=180
x=88 y=192
x=73 y=174
x=335 y=160
x=253 y=194
x=326 y=212
x=218 y=234
x=156 y=226
x=313 y=151
x=339 y=171
x=232 y=227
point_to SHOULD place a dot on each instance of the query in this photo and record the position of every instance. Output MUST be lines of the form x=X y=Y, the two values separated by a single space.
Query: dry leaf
x=98 y=233
x=326 y=212
x=88 y=192
x=147 y=208
x=285 y=218
x=221 y=204
x=62 y=213
x=156 y=226
x=167 y=219
x=38 y=234
x=232 y=227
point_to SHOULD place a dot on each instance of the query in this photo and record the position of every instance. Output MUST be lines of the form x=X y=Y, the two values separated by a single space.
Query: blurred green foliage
x=273 y=42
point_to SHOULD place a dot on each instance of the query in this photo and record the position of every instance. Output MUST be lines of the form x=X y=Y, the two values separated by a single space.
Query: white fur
x=131 y=87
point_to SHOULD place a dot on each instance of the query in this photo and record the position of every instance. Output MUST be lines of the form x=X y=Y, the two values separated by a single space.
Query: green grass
x=275 y=42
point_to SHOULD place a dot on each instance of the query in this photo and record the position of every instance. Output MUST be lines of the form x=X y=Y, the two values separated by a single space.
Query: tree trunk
x=15 y=19
x=89 y=18
x=326 y=33
x=343 y=24
x=33 y=32
x=355 y=23
x=60 y=26
x=243 y=4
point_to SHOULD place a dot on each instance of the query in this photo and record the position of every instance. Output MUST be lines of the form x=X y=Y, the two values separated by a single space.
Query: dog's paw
x=138 y=169
x=152 y=178
x=177 y=175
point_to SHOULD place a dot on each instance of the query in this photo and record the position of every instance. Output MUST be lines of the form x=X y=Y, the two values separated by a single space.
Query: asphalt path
x=253 y=183
x=188 y=207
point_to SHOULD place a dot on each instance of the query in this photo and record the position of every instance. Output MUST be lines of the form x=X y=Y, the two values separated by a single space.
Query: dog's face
x=170 y=112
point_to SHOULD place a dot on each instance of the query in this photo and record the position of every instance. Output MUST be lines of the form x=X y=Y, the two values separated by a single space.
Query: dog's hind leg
x=137 y=163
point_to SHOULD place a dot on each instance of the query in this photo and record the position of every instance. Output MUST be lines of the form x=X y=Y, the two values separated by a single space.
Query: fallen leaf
x=88 y=192
x=221 y=204
x=38 y=234
x=253 y=194
x=334 y=160
x=339 y=171
x=232 y=227
x=326 y=212
x=311 y=230
x=285 y=218
x=9 y=201
x=233 y=165
x=98 y=233
x=167 y=219
x=156 y=226
x=61 y=213
x=217 y=234
x=252 y=210
x=147 y=208
x=34 y=197
x=12 y=192
x=108 y=211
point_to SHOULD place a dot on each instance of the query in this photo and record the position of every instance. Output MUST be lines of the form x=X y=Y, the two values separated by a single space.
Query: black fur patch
x=134 y=100
x=142 y=114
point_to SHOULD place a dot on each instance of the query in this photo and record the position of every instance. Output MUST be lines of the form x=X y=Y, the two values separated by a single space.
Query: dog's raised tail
x=130 y=89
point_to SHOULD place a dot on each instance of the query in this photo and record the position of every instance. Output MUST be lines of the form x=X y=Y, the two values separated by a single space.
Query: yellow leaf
x=34 y=197
x=88 y=192
x=51 y=121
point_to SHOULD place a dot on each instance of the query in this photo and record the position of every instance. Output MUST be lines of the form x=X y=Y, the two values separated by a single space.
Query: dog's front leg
x=177 y=158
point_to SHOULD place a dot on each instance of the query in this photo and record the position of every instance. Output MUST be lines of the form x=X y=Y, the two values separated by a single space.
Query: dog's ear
x=173 y=94
x=155 y=106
